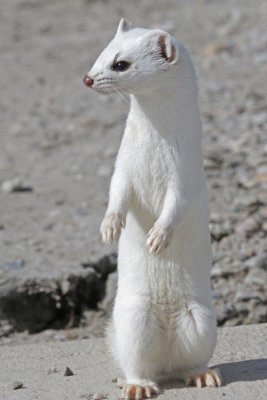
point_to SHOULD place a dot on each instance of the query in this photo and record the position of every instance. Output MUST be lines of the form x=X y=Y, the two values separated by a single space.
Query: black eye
x=120 y=66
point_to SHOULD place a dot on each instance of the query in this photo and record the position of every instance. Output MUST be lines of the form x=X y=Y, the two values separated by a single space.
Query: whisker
x=120 y=92
x=120 y=95
x=124 y=91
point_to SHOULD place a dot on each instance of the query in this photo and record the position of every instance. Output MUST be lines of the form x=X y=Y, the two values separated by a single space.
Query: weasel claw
x=210 y=378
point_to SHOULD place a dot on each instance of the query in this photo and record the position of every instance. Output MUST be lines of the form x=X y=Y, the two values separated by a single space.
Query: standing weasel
x=163 y=319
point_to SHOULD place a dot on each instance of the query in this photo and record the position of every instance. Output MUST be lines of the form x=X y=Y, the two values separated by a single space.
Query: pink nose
x=88 y=81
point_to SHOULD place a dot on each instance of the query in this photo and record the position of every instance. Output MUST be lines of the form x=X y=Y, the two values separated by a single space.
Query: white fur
x=163 y=316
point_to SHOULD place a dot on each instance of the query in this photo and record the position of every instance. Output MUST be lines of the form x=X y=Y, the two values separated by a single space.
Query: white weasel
x=163 y=316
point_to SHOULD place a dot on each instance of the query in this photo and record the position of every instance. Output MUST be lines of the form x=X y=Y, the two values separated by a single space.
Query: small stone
x=247 y=183
x=210 y=164
x=11 y=185
x=248 y=227
x=218 y=231
x=255 y=276
x=212 y=49
x=246 y=296
x=114 y=380
x=259 y=261
x=217 y=295
x=263 y=211
x=68 y=372
x=260 y=178
x=98 y=396
x=246 y=254
x=15 y=185
x=13 y=265
x=17 y=385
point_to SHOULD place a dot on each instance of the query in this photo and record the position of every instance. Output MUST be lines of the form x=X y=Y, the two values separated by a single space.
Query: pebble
x=263 y=212
x=17 y=385
x=13 y=265
x=11 y=185
x=248 y=227
x=255 y=276
x=259 y=261
x=210 y=164
x=212 y=49
x=218 y=231
x=98 y=396
x=68 y=372
x=246 y=296
x=15 y=185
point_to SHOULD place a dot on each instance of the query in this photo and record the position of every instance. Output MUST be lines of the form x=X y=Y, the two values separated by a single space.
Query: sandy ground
x=59 y=139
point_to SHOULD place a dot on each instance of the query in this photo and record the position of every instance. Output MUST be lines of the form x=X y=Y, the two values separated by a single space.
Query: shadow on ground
x=247 y=371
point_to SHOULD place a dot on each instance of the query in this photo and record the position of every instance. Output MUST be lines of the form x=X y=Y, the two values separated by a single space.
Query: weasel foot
x=111 y=227
x=158 y=238
x=137 y=392
x=210 y=378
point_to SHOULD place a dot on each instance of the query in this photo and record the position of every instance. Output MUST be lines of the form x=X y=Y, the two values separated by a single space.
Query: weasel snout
x=88 y=81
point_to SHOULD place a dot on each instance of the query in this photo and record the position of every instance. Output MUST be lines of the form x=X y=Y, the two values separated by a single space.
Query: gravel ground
x=59 y=140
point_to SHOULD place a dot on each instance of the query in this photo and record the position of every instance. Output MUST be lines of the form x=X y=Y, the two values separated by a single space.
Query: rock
x=217 y=295
x=99 y=396
x=247 y=183
x=13 y=265
x=248 y=227
x=259 y=261
x=212 y=49
x=219 y=271
x=210 y=164
x=260 y=177
x=15 y=185
x=256 y=277
x=246 y=254
x=246 y=296
x=218 y=231
x=264 y=226
x=68 y=372
x=263 y=212
x=36 y=304
x=11 y=185
x=17 y=385
x=105 y=265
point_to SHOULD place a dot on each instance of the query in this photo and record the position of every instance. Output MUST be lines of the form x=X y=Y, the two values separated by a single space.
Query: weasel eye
x=120 y=66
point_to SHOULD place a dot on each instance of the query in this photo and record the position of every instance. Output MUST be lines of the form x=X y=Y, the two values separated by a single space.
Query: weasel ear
x=124 y=26
x=168 y=50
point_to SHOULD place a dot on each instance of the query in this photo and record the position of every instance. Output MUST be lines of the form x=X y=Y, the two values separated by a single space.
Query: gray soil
x=58 y=143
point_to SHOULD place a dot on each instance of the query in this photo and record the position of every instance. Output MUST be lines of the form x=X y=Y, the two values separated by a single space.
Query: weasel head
x=136 y=61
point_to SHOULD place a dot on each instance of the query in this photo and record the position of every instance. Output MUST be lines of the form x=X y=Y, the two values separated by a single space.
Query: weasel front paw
x=158 y=238
x=210 y=378
x=111 y=227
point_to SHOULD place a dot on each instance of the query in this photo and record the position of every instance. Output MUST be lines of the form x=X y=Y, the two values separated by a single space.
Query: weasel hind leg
x=196 y=339
x=137 y=348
